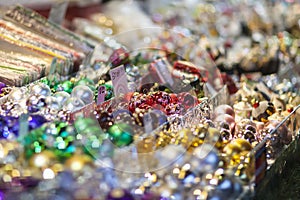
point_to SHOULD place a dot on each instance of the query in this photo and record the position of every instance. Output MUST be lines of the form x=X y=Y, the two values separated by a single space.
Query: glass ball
x=83 y=93
x=61 y=97
x=40 y=89
x=52 y=103
x=73 y=104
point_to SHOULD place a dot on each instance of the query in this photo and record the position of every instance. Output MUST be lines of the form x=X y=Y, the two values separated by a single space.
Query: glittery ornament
x=9 y=126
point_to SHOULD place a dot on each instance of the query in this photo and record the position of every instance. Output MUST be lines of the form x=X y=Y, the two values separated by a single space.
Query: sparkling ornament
x=263 y=111
x=277 y=140
x=242 y=110
x=83 y=93
x=118 y=57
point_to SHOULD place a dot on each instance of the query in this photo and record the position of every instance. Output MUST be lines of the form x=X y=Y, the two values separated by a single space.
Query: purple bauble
x=150 y=196
x=1 y=195
x=2 y=85
x=36 y=121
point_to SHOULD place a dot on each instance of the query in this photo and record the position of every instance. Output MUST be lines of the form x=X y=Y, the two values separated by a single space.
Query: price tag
x=119 y=81
x=148 y=123
x=101 y=94
x=161 y=65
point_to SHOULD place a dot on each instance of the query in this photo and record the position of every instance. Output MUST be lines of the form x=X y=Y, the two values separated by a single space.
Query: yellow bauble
x=77 y=162
x=44 y=159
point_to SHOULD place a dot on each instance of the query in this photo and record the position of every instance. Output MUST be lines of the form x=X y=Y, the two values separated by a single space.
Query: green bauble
x=86 y=81
x=67 y=86
x=114 y=131
x=109 y=91
x=124 y=140
x=121 y=134
x=45 y=81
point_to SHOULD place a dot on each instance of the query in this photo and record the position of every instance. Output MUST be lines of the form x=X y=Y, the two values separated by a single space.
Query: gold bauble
x=78 y=162
x=44 y=159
